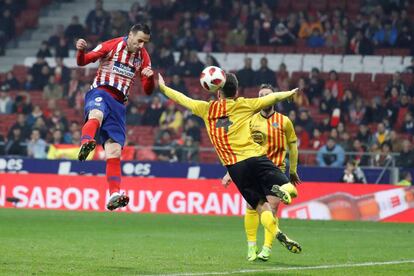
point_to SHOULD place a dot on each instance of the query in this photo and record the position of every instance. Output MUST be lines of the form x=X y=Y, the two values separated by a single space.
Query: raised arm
x=147 y=75
x=83 y=58
x=271 y=99
x=198 y=108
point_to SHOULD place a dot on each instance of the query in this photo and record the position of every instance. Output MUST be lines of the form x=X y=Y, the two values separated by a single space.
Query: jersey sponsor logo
x=123 y=70
x=224 y=122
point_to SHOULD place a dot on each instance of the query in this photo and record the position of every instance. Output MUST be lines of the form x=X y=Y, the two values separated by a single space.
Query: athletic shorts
x=114 y=119
x=255 y=177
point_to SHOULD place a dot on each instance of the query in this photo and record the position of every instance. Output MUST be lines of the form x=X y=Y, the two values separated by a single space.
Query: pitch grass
x=36 y=242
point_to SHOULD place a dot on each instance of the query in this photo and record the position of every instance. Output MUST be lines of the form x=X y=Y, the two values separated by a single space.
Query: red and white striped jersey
x=117 y=67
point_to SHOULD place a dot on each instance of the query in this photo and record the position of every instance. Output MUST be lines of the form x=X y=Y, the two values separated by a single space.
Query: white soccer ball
x=212 y=78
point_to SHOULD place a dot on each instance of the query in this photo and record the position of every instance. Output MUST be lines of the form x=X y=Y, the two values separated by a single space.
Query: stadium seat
x=331 y=62
x=382 y=77
x=352 y=64
x=362 y=77
x=293 y=62
x=392 y=64
x=300 y=5
x=400 y=52
x=382 y=52
x=406 y=62
x=318 y=5
x=372 y=64
x=337 y=4
x=255 y=59
x=274 y=61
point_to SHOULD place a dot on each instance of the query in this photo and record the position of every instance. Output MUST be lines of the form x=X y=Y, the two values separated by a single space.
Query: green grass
x=86 y=243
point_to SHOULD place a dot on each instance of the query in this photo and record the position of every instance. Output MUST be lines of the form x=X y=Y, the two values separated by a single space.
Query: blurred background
x=353 y=59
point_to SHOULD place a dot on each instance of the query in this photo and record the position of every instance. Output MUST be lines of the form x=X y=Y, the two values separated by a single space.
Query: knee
x=113 y=151
x=96 y=114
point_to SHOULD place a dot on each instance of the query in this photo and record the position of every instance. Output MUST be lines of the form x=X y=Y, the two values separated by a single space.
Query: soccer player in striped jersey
x=274 y=132
x=227 y=121
x=120 y=61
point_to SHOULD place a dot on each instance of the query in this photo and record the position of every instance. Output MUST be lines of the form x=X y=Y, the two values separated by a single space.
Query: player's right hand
x=81 y=44
x=226 y=180
x=294 y=178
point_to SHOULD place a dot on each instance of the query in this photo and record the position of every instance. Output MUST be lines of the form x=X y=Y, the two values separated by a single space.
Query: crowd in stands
x=331 y=116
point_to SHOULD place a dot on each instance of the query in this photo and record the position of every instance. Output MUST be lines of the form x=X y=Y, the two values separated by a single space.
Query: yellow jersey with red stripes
x=228 y=122
x=274 y=133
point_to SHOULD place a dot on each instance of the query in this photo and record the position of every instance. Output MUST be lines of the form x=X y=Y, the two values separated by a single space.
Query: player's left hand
x=147 y=71
x=160 y=80
x=226 y=180
x=294 y=178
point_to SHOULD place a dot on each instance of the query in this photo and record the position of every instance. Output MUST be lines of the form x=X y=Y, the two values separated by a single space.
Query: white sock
x=250 y=243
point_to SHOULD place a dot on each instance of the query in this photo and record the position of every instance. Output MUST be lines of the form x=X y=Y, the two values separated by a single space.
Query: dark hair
x=140 y=27
x=267 y=86
x=230 y=87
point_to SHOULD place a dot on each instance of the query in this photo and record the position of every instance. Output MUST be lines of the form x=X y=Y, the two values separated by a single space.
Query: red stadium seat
x=345 y=77
x=383 y=77
x=362 y=77
x=337 y=4
x=318 y=5
x=400 y=52
x=353 y=6
x=323 y=51
x=285 y=49
x=299 y=5
x=382 y=52
x=407 y=78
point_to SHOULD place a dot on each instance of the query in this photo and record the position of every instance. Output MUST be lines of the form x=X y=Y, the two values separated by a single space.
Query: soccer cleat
x=252 y=253
x=281 y=193
x=85 y=149
x=289 y=187
x=290 y=245
x=264 y=255
x=117 y=201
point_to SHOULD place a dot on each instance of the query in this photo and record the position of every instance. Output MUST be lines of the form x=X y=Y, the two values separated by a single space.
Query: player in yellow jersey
x=227 y=121
x=275 y=132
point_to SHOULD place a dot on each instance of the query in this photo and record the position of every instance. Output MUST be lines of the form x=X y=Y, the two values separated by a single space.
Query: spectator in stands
x=165 y=10
x=202 y=20
x=58 y=121
x=44 y=50
x=317 y=139
x=171 y=118
x=347 y=103
x=383 y=157
x=76 y=137
x=353 y=173
x=410 y=69
x=22 y=104
x=74 y=87
x=307 y=27
x=55 y=37
x=6 y=103
x=36 y=147
x=360 y=149
x=338 y=37
x=382 y=135
x=62 y=48
x=40 y=124
x=364 y=134
x=212 y=44
x=335 y=85
x=282 y=78
x=194 y=66
x=164 y=147
x=178 y=84
x=406 y=179
x=328 y=103
x=57 y=137
x=345 y=141
x=61 y=72
x=15 y=144
x=406 y=157
x=40 y=72
x=316 y=40
x=28 y=84
x=2 y=145
x=357 y=111
x=361 y=45
x=237 y=36
x=303 y=137
x=133 y=117
x=187 y=41
x=192 y=129
x=188 y=152
x=153 y=112
x=52 y=90
x=305 y=121
x=265 y=74
x=301 y=99
x=408 y=124
x=98 y=20
x=7 y=29
x=374 y=113
x=395 y=82
x=386 y=36
x=405 y=38
x=68 y=137
x=11 y=83
x=316 y=85
x=246 y=74
x=281 y=36
x=119 y=24
x=330 y=155
x=166 y=57
x=211 y=61
x=74 y=30
x=32 y=117
x=22 y=125
x=255 y=35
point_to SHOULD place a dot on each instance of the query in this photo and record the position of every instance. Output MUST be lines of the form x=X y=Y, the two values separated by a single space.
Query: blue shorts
x=114 y=115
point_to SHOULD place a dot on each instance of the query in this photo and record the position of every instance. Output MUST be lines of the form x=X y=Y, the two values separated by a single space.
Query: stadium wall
x=324 y=201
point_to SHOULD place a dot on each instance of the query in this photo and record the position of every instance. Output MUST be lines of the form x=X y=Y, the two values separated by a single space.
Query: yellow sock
x=268 y=236
x=269 y=223
x=251 y=223
x=291 y=189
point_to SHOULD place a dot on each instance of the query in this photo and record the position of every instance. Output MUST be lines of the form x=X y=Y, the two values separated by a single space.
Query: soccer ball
x=212 y=78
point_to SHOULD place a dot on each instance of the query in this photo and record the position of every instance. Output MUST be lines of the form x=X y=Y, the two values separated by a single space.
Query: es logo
x=11 y=164
x=136 y=169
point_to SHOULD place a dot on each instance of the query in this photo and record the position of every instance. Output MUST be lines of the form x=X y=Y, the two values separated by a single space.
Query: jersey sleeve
x=99 y=52
x=292 y=145
x=257 y=104
x=147 y=82
x=199 y=108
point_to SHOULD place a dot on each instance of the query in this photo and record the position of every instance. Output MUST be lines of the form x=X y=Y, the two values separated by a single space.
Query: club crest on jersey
x=275 y=125
x=98 y=99
x=137 y=62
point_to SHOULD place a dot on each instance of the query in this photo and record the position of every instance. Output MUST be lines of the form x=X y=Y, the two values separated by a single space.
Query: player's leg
x=113 y=175
x=251 y=225
x=89 y=129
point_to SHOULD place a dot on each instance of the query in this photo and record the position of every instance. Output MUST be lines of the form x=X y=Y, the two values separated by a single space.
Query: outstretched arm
x=199 y=108
x=147 y=75
x=83 y=58
x=271 y=99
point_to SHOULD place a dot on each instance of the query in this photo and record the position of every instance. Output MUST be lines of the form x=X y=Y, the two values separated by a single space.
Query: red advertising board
x=206 y=197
